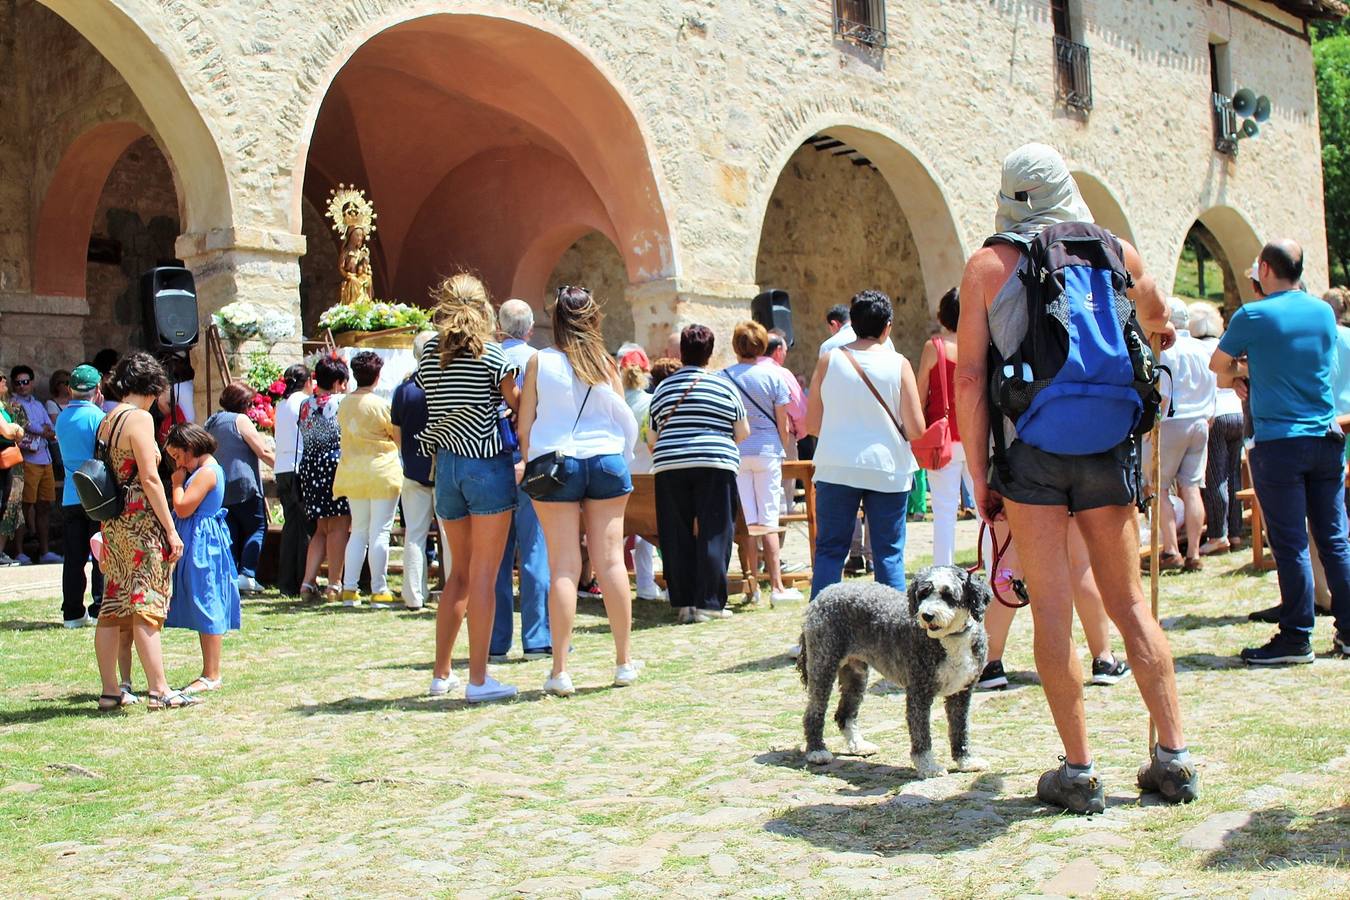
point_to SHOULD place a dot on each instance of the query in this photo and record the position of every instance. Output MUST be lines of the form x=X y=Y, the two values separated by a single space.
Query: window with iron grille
x=1073 y=60
x=861 y=21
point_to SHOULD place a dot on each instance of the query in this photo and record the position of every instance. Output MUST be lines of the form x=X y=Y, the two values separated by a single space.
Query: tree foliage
x=1331 y=55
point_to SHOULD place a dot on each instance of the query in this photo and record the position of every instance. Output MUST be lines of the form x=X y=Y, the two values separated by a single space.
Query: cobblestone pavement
x=321 y=768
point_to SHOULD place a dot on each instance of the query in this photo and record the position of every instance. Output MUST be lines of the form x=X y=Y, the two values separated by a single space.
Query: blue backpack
x=1084 y=379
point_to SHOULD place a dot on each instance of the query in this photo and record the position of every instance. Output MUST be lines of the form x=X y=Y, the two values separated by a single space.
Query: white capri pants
x=944 y=486
x=760 y=486
x=371 y=521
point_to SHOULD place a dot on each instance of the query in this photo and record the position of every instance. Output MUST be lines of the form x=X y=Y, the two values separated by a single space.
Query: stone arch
x=191 y=149
x=1229 y=237
x=512 y=80
x=593 y=261
x=67 y=212
x=1106 y=208
x=912 y=181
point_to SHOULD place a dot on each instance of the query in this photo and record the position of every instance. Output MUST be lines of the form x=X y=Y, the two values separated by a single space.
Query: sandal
x=332 y=594
x=109 y=702
x=309 y=591
x=171 y=700
x=128 y=698
x=1193 y=565
x=207 y=684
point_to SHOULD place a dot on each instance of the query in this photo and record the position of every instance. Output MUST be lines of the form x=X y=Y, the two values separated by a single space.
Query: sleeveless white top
x=605 y=426
x=859 y=446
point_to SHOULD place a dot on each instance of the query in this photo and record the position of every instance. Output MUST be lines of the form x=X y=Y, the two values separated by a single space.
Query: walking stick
x=1155 y=524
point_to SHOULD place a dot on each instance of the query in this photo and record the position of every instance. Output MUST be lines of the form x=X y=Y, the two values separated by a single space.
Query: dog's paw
x=860 y=747
x=927 y=767
x=819 y=757
x=971 y=764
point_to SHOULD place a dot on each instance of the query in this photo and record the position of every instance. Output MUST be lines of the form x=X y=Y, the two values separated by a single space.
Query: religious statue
x=354 y=220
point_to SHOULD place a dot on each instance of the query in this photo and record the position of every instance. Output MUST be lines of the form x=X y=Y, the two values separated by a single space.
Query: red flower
x=277 y=388
x=110 y=589
x=135 y=506
x=138 y=598
x=127 y=465
x=138 y=557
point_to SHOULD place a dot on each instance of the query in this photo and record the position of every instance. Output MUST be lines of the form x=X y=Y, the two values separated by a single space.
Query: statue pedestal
x=394 y=346
x=389 y=339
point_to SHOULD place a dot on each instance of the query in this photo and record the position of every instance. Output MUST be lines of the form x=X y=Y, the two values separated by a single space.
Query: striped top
x=763 y=388
x=462 y=400
x=700 y=432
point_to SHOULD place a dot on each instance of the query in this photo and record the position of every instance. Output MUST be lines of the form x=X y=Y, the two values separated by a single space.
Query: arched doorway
x=1215 y=259
x=595 y=263
x=1106 y=209
x=851 y=210
x=482 y=141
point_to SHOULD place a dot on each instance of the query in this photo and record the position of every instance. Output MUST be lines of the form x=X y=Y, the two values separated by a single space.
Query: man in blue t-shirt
x=76 y=430
x=1285 y=345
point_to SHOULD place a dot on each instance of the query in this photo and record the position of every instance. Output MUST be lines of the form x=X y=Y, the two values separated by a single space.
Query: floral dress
x=11 y=514
x=138 y=577
x=321 y=440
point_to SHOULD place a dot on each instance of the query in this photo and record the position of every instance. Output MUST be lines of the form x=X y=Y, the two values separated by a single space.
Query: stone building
x=679 y=155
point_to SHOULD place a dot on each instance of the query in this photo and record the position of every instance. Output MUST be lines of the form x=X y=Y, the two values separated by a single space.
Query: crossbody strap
x=753 y=402
x=942 y=373
x=668 y=415
x=890 y=414
x=582 y=407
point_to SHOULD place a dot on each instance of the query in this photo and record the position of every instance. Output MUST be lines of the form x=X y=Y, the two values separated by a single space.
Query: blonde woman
x=466 y=378
x=573 y=406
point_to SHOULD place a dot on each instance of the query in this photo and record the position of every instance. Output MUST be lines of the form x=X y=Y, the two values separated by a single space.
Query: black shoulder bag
x=101 y=495
x=544 y=474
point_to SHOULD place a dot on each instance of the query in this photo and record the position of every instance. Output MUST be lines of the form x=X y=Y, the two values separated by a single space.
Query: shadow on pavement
x=1279 y=837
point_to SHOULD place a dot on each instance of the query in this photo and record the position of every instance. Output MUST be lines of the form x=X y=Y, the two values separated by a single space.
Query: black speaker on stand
x=169 y=304
x=773 y=309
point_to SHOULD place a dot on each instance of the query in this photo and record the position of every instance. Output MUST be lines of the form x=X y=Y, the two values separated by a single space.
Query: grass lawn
x=321 y=769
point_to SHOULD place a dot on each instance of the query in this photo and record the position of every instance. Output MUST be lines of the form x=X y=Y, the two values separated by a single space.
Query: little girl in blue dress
x=205 y=588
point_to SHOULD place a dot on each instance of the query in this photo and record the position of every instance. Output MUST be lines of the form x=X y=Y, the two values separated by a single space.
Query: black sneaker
x=1081 y=794
x=1108 y=672
x=992 y=678
x=1340 y=645
x=855 y=565
x=1175 y=782
x=1279 y=651
x=1270 y=616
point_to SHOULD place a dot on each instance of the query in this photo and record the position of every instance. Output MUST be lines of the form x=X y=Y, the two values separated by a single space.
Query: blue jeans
x=526 y=534
x=1299 y=482
x=836 y=514
x=247 y=522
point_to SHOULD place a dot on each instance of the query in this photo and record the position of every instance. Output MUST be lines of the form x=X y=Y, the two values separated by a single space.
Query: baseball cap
x=84 y=378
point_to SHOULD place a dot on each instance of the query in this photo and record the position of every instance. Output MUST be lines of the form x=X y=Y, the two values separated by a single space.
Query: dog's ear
x=977 y=595
x=917 y=585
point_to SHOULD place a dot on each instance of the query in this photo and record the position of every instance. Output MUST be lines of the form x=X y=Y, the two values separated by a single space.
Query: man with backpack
x=1054 y=362
x=1286 y=346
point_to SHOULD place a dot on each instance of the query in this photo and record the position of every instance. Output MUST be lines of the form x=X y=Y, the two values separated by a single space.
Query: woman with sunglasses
x=573 y=407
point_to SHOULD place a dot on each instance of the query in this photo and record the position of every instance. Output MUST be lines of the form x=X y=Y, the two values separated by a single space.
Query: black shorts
x=1039 y=478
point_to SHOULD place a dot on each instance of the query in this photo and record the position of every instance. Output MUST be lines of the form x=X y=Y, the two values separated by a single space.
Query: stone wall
x=139 y=211
x=592 y=262
x=832 y=229
x=320 y=283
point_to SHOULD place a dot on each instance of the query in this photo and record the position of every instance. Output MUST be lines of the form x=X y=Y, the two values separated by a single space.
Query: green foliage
x=1187 y=283
x=262 y=371
x=375 y=315
x=1332 y=59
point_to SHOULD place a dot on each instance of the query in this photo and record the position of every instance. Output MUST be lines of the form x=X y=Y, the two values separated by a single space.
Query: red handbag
x=933 y=448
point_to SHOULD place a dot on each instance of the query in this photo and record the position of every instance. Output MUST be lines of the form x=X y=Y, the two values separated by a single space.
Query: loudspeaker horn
x=1244 y=101
x=1249 y=129
x=1262 y=111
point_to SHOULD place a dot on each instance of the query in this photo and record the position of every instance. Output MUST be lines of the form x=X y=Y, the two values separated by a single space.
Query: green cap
x=84 y=378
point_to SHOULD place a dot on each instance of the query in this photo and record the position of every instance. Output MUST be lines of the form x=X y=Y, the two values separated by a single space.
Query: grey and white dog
x=931 y=642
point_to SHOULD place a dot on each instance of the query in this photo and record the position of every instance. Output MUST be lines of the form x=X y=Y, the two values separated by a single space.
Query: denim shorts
x=466 y=486
x=597 y=478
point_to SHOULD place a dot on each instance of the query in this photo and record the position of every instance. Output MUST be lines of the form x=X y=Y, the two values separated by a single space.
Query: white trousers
x=944 y=488
x=418 y=500
x=644 y=566
x=371 y=521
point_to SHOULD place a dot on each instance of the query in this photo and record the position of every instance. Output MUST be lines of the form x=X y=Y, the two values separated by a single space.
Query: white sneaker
x=491 y=689
x=655 y=592
x=787 y=595
x=627 y=673
x=78 y=623
x=726 y=613
x=248 y=584
x=51 y=559
x=559 y=685
x=442 y=686
x=794 y=650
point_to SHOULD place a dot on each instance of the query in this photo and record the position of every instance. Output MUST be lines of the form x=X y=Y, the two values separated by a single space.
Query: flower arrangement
x=375 y=315
x=264 y=376
x=242 y=320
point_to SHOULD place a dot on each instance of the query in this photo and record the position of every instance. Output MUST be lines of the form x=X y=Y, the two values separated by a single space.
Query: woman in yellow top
x=369 y=476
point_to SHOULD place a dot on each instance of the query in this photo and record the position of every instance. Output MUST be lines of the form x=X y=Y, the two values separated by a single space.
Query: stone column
x=46 y=333
x=242 y=264
x=664 y=306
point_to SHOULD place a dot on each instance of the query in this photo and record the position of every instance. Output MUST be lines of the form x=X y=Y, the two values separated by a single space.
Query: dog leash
x=1001 y=576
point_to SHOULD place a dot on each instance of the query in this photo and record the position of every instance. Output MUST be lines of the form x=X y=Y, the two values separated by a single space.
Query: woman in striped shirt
x=466 y=378
x=697 y=419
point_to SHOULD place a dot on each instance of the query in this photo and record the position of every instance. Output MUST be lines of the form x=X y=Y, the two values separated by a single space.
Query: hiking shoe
x=1175 y=782
x=993 y=677
x=1280 y=651
x=1108 y=672
x=1340 y=645
x=1270 y=615
x=1081 y=794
